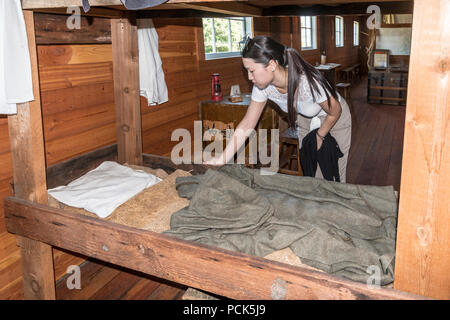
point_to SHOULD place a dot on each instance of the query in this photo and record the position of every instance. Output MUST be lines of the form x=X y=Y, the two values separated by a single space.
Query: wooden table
x=224 y=114
x=329 y=71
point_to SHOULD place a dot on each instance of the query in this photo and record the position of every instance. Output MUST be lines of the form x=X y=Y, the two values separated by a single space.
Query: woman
x=280 y=74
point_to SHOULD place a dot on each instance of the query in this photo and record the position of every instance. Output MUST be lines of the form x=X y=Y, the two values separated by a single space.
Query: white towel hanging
x=16 y=84
x=151 y=75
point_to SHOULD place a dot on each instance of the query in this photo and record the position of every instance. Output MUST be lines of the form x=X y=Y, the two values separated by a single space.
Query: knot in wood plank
x=443 y=65
x=35 y=287
x=278 y=289
x=424 y=235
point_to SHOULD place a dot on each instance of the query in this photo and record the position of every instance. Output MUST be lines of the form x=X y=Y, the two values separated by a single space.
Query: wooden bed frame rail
x=223 y=272
x=226 y=273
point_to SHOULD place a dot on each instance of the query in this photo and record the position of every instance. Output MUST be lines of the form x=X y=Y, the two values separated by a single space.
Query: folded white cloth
x=315 y=123
x=105 y=188
x=16 y=84
x=151 y=75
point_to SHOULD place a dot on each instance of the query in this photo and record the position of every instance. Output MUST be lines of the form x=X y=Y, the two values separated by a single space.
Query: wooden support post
x=126 y=89
x=28 y=159
x=423 y=250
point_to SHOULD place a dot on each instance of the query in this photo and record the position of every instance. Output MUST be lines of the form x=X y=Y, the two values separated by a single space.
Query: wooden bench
x=351 y=72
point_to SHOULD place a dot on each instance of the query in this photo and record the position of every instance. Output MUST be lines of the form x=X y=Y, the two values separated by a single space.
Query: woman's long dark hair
x=262 y=49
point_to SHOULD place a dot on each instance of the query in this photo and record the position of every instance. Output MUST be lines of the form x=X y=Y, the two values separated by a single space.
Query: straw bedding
x=160 y=202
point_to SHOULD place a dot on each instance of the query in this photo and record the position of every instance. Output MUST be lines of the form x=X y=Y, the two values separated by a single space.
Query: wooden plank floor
x=375 y=156
x=103 y=281
x=375 y=159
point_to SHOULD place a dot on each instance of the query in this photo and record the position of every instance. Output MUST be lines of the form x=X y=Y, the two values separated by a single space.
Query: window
x=355 y=33
x=223 y=36
x=308 y=32
x=339 y=31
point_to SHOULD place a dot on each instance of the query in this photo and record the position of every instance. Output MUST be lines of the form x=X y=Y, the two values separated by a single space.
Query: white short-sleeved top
x=306 y=105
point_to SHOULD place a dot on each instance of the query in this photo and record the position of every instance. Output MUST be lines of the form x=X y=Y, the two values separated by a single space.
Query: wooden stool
x=344 y=90
x=289 y=139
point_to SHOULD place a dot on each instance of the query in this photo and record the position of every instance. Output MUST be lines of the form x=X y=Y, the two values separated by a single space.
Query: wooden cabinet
x=387 y=87
x=218 y=116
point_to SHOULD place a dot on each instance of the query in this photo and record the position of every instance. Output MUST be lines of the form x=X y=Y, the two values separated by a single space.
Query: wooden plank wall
x=285 y=30
x=347 y=55
x=188 y=78
x=77 y=95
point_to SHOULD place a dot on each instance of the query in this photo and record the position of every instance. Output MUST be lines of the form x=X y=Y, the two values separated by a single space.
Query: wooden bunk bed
x=422 y=260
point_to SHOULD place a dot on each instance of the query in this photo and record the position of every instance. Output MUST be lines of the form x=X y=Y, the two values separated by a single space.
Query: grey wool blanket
x=343 y=229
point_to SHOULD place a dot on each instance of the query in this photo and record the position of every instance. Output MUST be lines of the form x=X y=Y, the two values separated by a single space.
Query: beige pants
x=341 y=131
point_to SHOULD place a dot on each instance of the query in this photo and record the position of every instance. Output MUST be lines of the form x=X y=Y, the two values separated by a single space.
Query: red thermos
x=216 y=90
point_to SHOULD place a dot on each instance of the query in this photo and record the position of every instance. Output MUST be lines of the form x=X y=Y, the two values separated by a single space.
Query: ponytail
x=296 y=66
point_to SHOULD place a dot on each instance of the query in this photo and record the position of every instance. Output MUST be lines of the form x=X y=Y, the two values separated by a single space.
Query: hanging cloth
x=151 y=75
x=16 y=84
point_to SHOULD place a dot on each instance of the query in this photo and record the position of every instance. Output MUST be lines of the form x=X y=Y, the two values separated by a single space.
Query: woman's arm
x=333 y=110
x=240 y=134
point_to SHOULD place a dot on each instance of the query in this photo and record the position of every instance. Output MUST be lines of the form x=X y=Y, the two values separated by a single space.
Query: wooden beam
x=229 y=9
x=397 y=25
x=28 y=158
x=165 y=163
x=126 y=89
x=340 y=9
x=93 y=12
x=271 y=3
x=181 y=13
x=423 y=252
x=223 y=272
x=52 y=29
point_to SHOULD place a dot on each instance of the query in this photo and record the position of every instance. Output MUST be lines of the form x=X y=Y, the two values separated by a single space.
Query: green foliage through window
x=225 y=35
